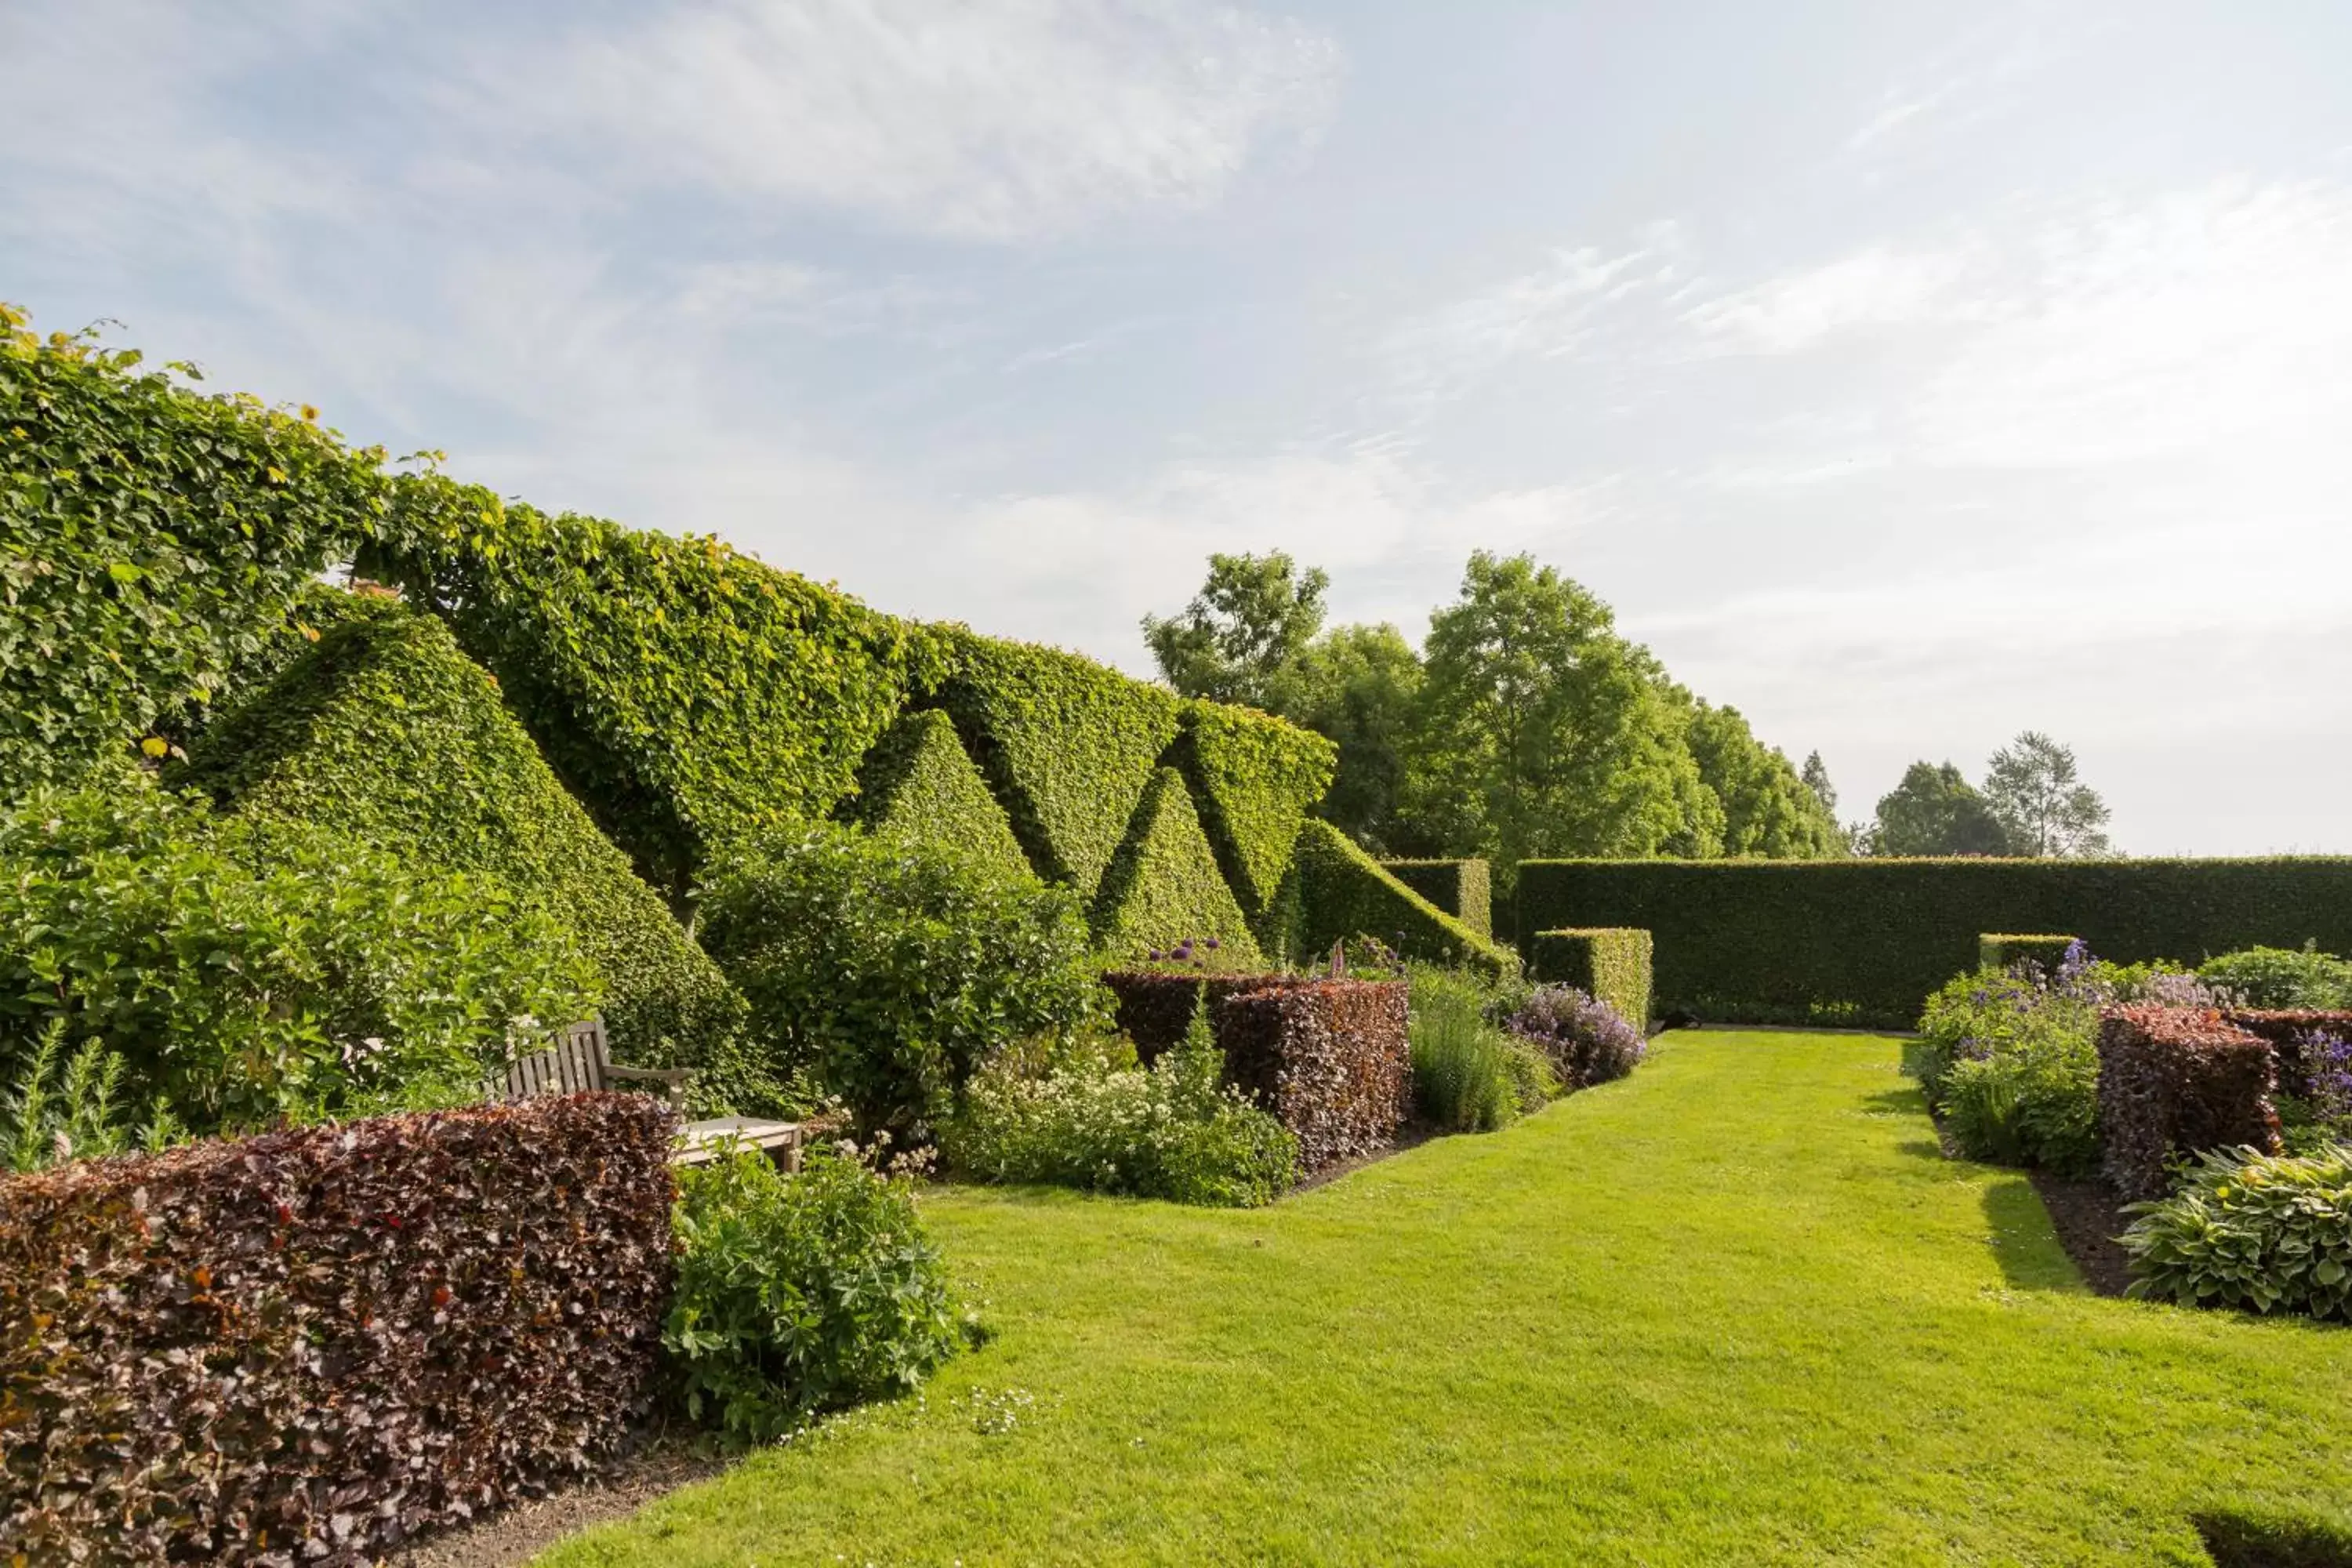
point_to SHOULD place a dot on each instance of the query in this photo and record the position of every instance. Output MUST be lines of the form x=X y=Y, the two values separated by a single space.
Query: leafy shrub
x=2279 y=977
x=1095 y=1123
x=1255 y=778
x=384 y=731
x=1163 y=888
x=1468 y=1075
x=888 y=970
x=689 y=695
x=1586 y=1040
x=799 y=1294
x=55 y=1114
x=1342 y=892
x=2263 y=1232
x=2317 y=1110
x=2034 y=1102
x=1611 y=964
x=1332 y=1058
x=1066 y=744
x=919 y=784
x=151 y=540
x=2175 y=1082
x=308 y=1345
x=249 y=972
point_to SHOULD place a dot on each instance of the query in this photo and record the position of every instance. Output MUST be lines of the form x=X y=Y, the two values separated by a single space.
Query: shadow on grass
x=2024 y=1243
x=2245 y=1538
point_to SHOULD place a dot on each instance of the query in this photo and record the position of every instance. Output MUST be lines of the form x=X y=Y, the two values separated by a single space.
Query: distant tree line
x=1526 y=726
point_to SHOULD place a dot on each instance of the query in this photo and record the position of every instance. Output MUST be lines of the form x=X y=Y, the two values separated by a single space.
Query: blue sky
x=1905 y=376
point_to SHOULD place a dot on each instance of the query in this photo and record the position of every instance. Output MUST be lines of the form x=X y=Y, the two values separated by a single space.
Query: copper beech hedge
x=304 y=1347
x=2176 y=1081
x=2287 y=1030
x=1331 y=1058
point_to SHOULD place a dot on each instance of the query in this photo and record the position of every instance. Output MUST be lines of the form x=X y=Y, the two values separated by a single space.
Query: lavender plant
x=1588 y=1040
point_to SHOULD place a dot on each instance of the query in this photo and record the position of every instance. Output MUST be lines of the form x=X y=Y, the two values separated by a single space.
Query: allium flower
x=1211 y=944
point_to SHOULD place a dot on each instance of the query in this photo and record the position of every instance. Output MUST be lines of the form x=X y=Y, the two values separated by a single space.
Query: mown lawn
x=1738 y=1309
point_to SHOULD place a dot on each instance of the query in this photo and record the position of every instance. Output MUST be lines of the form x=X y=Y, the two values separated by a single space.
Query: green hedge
x=920 y=784
x=1163 y=886
x=385 y=732
x=1865 y=941
x=150 y=541
x=1066 y=743
x=1463 y=888
x=689 y=695
x=1610 y=964
x=1255 y=778
x=1341 y=891
x=1999 y=950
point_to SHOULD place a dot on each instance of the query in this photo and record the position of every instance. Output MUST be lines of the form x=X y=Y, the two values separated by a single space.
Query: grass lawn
x=1736 y=1309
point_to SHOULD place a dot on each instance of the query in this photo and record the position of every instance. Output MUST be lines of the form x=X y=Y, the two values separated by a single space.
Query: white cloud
x=1879 y=287
x=1001 y=120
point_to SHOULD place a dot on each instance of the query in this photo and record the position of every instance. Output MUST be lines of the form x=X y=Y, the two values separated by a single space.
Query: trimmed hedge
x=689 y=695
x=1463 y=888
x=1343 y=892
x=2175 y=1082
x=1255 y=778
x=2285 y=1029
x=1609 y=964
x=920 y=786
x=1999 y=950
x=1066 y=744
x=307 y=1346
x=1165 y=887
x=383 y=731
x=1155 y=1007
x=1866 y=942
x=1332 y=1058
x=152 y=540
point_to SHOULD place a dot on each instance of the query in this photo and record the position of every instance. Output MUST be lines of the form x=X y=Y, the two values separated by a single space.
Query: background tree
x=1252 y=618
x=1767 y=810
x=1935 y=812
x=2045 y=808
x=1816 y=775
x=1359 y=686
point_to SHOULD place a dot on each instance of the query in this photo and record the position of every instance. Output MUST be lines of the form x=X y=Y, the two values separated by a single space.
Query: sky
x=1905 y=376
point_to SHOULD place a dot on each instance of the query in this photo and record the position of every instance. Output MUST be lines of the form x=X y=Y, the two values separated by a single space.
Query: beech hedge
x=2177 y=1082
x=1067 y=745
x=1340 y=892
x=1865 y=941
x=1163 y=886
x=1332 y=1058
x=1463 y=888
x=1610 y=966
x=1255 y=778
x=2288 y=1030
x=920 y=785
x=307 y=1346
x=1155 y=1007
x=385 y=732
x=689 y=695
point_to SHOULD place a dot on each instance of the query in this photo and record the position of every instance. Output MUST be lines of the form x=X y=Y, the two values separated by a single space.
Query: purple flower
x=1211 y=944
x=1155 y=955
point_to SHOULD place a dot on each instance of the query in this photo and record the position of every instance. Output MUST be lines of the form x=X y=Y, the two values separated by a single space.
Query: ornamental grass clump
x=1468 y=1076
x=1097 y=1122
x=1588 y=1041
x=2266 y=1233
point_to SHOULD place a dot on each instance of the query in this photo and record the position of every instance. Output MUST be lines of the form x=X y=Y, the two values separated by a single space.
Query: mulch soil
x=623 y=1484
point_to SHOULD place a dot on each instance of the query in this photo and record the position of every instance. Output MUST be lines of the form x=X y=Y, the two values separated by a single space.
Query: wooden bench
x=579 y=1061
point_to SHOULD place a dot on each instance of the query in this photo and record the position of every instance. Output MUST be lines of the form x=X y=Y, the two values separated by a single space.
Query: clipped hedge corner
x=1999 y=950
x=1608 y=963
x=1463 y=888
x=1255 y=778
x=307 y=1346
x=1332 y=1058
x=920 y=785
x=384 y=731
x=2177 y=1082
x=1164 y=886
x=1343 y=892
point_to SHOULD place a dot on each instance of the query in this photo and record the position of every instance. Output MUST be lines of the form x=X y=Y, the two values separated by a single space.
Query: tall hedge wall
x=384 y=731
x=151 y=540
x=689 y=694
x=1165 y=887
x=1341 y=892
x=1067 y=744
x=1865 y=941
x=920 y=784
x=1255 y=778
x=1463 y=888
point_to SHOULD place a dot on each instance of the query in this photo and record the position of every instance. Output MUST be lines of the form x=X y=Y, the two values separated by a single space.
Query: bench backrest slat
x=575 y=1062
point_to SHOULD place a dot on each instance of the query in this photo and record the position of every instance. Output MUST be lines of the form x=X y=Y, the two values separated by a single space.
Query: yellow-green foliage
x=1610 y=963
x=1163 y=885
x=1463 y=888
x=1341 y=891
x=385 y=732
x=920 y=784
x=1066 y=744
x=689 y=695
x=1999 y=950
x=1255 y=778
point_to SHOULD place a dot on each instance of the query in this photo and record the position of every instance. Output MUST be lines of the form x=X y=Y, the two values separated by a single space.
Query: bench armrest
x=672 y=1079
